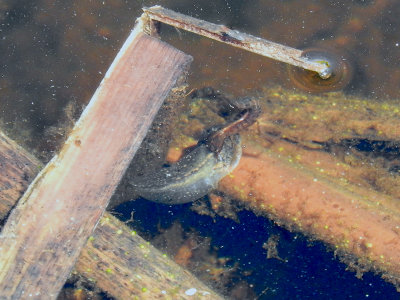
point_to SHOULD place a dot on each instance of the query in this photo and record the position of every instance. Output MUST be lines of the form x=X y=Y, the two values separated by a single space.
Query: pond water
x=55 y=53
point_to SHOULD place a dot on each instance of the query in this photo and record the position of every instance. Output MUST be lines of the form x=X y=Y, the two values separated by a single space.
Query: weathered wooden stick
x=119 y=261
x=238 y=39
x=124 y=265
x=51 y=223
x=17 y=169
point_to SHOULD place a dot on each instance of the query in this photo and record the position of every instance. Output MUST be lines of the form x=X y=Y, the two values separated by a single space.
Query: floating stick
x=237 y=39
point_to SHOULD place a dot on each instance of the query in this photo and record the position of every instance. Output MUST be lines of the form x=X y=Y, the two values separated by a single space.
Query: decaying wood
x=124 y=265
x=18 y=168
x=51 y=223
x=118 y=260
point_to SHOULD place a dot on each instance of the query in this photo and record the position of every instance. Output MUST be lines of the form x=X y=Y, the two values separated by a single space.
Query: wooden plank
x=119 y=261
x=126 y=266
x=18 y=168
x=44 y=234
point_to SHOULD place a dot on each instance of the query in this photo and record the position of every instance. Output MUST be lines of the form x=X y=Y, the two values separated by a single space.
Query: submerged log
x=360 y=225
x=297 y=170
x=124 y=265
x=46 y=231
x=343 y=197
x=115 y=258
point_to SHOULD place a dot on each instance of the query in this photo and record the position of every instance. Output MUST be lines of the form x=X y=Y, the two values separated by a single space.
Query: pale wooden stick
x=45 y=233
x=237 y=39
x=117 y=259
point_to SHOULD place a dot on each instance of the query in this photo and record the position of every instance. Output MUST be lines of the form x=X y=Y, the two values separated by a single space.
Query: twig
x=237 y=39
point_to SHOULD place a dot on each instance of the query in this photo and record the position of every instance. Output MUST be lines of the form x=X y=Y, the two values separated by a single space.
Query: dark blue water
x=306 y=270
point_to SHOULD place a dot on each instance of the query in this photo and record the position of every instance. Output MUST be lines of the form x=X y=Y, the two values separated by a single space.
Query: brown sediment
x=353 y=221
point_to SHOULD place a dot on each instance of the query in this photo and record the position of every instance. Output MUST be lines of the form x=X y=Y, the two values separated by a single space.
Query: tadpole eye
x=339 y=70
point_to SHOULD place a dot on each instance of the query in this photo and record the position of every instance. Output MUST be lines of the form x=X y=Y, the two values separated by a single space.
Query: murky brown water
x=54 y=55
